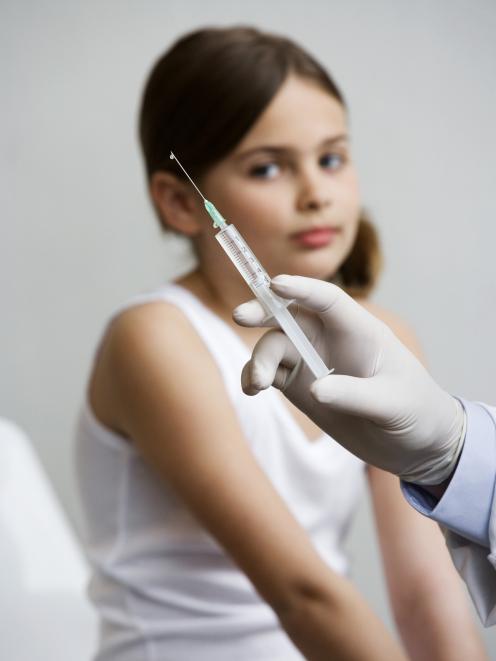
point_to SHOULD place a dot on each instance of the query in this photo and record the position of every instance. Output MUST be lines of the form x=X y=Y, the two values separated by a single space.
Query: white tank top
x=164 y=588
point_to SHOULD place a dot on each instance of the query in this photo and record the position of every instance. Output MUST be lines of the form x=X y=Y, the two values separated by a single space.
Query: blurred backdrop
x=78 y=235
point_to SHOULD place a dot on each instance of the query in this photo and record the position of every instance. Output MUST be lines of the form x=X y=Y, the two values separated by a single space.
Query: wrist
x=437 y=490
x=440 y=470
x=465 y=506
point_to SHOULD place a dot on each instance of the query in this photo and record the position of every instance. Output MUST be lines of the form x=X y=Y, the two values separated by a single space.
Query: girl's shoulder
x=157 y=327
x=149 y=317
x=147 y=348
x=399 y=326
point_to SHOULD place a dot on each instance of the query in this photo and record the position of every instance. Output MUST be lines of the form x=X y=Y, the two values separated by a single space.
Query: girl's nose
x=314 y=192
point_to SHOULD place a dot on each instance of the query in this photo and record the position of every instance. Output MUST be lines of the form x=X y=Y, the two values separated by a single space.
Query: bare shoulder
x=150 y=326
x=148 y=351
x=155 y=332
x=400 y=328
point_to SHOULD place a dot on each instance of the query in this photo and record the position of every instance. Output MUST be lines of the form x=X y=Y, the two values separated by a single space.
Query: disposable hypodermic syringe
x=258 y=280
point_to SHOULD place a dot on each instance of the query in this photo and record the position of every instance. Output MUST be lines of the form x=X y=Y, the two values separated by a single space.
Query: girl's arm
x=156 y=383
x=427 y=596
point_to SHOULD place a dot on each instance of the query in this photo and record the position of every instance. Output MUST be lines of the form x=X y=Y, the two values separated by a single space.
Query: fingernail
x=240 y=313
x=281 y=281
x=315 y=391
x=321 y=392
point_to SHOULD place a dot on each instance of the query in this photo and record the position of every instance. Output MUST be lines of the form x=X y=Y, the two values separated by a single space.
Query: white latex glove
x=380 y=403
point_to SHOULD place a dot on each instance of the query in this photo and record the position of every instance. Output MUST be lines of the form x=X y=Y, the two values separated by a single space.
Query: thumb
x=349 y=394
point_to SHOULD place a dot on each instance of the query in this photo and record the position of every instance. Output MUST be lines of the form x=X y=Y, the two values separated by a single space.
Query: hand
x=380 y=402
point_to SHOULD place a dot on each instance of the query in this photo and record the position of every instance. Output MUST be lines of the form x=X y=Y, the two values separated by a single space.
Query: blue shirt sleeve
x=465 y=506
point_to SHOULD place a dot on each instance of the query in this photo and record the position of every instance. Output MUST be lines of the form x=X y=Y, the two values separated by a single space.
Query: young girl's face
x=289 y=186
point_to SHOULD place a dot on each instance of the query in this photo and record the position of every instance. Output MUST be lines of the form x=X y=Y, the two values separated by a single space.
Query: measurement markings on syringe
x=244 y=259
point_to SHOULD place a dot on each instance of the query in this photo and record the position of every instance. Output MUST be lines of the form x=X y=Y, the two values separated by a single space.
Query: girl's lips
x=315 y=238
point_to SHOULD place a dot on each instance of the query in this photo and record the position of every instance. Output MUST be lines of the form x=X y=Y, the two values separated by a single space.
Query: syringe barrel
x=242 y=257
x=259 y=282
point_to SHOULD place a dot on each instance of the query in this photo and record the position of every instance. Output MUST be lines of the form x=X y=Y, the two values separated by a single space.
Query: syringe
x=259 y=282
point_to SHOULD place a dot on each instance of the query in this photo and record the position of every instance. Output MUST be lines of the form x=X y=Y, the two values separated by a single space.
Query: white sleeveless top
x=165 y=590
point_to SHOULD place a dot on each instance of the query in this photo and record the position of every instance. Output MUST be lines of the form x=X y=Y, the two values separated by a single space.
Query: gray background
x=78 y=235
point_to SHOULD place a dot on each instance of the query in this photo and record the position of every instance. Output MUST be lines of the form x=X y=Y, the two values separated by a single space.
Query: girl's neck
x=215 y=280
x=222 y=300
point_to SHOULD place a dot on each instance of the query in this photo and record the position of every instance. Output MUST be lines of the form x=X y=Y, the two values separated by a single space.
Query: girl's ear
x=175 y=203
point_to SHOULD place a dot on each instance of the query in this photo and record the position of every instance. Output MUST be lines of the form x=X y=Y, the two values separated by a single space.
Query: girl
x=216 y=521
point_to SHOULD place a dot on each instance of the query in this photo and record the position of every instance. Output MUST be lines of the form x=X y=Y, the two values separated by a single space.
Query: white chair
x=44 y=612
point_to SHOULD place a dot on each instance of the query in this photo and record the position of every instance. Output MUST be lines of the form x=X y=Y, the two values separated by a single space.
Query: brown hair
x=204 y=94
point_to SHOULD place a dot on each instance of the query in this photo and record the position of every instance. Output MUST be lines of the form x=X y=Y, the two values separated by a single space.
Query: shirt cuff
x=465 y=506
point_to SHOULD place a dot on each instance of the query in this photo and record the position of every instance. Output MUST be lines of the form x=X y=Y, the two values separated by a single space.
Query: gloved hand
x=380 y=402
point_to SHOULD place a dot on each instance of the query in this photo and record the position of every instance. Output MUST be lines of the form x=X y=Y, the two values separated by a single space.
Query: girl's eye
x=265 y=171
x=332 y=161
